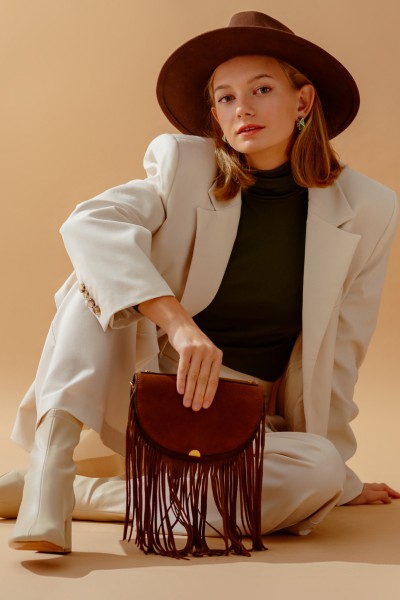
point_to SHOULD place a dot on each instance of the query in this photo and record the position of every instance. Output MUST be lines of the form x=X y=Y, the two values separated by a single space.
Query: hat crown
x=251 y=18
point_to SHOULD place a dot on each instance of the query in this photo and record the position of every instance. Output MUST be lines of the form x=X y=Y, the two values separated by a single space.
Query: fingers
x=392 y=493
x=212 y=384
x=183 y=369
x=375 y=493
x=200 y=391
x=382 y=488
x=198 y=376
x=378 y=496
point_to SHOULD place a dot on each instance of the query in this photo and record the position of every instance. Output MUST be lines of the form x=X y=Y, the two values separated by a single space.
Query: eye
x=225 y=99
x=263 y=90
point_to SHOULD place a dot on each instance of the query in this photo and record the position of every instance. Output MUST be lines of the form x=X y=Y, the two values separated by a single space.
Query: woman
x=249 y=251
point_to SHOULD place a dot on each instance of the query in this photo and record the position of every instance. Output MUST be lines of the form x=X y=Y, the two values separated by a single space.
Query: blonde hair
x=314 y=162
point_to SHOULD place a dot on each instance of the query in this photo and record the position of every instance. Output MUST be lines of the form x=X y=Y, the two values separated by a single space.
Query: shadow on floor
x=364 y=534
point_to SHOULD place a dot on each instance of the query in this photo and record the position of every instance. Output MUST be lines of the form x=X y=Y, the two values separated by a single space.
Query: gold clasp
x=194 y=453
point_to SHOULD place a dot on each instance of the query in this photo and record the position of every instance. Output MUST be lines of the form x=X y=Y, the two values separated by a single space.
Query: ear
x=306 y=100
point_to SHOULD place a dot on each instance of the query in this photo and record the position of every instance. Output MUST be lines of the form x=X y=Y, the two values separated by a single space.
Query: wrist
x=166 y=312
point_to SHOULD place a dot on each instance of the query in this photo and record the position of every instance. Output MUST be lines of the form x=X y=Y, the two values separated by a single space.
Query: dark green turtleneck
x=255 y=316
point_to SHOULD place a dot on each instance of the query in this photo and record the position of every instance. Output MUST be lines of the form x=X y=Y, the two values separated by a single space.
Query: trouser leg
x=303 y=480
x=85 y=371
x=67 y=364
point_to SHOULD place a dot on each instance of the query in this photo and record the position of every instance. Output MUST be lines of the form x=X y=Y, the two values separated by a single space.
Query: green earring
x=301 y=124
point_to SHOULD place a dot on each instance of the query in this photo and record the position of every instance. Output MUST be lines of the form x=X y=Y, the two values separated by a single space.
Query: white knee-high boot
x=44 y=518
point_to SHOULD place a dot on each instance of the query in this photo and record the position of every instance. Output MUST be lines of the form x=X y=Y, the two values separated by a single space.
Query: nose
x=244 y=108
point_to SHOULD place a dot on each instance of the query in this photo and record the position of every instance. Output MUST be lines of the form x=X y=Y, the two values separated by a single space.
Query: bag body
x=175 y=456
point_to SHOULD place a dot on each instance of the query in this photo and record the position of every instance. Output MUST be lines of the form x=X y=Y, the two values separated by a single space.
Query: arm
x=109 y=240
x=109 y=237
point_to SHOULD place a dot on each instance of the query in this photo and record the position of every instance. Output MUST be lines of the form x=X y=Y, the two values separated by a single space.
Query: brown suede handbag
x=176 y=457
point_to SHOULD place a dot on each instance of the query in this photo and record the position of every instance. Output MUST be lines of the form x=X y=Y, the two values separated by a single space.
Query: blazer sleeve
x=357 y=320
x=108 y=239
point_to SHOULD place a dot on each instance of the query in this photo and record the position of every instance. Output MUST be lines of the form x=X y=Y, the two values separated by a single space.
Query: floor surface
x=355 y=553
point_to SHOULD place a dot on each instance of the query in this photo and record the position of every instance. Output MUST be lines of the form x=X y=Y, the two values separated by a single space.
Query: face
x=257 y=108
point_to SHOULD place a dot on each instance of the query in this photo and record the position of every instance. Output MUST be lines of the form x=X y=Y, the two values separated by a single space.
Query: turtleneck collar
x=274 y=183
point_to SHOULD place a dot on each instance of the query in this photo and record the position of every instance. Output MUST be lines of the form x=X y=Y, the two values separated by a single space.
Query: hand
x=375 y=492
x=199 y=365
x=199 y=359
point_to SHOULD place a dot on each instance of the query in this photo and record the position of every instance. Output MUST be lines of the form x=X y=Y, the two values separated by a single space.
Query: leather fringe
x=163 y=491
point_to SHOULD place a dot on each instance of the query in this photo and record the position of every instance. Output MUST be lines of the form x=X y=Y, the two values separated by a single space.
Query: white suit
x=168 y=235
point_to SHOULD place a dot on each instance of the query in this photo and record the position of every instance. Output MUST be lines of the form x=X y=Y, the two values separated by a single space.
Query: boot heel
x=68 y=535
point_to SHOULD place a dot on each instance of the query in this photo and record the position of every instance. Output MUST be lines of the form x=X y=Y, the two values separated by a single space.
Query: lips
x=249 y=129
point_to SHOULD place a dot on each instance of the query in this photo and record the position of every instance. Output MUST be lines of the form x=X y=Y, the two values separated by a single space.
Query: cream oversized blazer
x=168 y=235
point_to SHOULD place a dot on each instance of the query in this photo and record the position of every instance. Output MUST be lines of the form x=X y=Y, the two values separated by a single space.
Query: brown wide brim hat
x=183 y=78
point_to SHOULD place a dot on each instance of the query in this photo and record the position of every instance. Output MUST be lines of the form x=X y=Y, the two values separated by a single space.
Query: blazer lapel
x=215 y=235
x=328 y=254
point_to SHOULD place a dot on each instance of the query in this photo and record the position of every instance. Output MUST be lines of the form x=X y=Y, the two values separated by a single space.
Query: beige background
x=77 y=110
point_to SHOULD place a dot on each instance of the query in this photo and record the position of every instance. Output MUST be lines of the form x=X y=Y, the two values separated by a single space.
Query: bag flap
x=229 y=425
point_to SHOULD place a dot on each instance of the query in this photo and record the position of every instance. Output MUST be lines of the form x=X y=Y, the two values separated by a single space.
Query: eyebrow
x=226 y=86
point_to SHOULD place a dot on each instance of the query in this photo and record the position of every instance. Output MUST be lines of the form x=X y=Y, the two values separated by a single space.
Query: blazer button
x=97 y=311
x=82 y=288
x=86 y=294
x=91 y=303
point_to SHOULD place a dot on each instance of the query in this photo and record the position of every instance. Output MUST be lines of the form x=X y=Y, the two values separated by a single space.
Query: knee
x=327 y=468
x=305 y=461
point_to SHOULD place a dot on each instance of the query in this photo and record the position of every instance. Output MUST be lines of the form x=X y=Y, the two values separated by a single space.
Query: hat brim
x=184 y=76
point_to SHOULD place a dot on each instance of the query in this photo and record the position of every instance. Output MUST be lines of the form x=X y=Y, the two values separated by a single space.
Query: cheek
x=286 y=117
x=284 y=108
x=292 y=109
x=214 y=114
x=220 y=116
